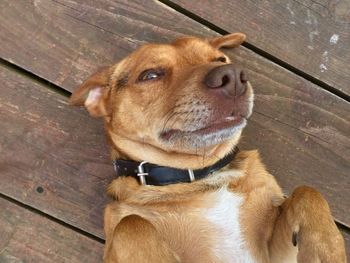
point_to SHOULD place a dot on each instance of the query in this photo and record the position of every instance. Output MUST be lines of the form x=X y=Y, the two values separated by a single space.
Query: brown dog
x=182 y=107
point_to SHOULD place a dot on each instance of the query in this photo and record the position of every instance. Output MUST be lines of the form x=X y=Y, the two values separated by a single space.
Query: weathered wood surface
x=312 y=36
x=301 y=130
x=29 y=237
x=53 y=156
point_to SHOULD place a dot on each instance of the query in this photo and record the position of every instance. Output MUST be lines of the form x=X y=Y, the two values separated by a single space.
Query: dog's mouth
x=211 y=134
x=208 y=123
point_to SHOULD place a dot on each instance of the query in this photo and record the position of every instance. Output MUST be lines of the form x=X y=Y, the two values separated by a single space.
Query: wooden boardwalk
x=54 y=160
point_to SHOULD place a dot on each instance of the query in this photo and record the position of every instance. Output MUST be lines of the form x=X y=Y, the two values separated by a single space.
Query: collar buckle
x=141 y=173
x=191 y=175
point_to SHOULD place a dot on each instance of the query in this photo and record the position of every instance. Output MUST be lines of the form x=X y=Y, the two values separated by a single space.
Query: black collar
x=152 y=174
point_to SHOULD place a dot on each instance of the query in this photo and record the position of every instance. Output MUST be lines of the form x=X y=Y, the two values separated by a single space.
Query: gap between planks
x=257 y=50
x=30 y=75
x=52 y=218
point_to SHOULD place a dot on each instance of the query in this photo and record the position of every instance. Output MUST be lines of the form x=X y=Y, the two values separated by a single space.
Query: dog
x=173 y=114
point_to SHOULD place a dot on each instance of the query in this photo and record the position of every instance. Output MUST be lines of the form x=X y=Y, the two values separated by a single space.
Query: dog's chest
x=229 y=244
x=211 y=232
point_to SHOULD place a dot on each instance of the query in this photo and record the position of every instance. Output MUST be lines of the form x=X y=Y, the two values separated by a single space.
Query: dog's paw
x=316 y=246
x=314 y=230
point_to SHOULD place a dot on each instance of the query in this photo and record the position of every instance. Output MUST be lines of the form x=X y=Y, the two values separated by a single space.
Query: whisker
x=172 y=113
x=168 y=119
x=179 y=114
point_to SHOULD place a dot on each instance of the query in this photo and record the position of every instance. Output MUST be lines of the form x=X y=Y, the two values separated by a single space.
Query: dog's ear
x=93 y=93
x=228 y=41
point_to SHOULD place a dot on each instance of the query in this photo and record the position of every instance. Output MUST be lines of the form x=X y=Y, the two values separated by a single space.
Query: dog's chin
x=208 y=136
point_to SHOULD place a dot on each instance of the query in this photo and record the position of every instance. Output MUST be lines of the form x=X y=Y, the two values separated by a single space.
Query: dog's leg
x=136 y=240
x=306 y=223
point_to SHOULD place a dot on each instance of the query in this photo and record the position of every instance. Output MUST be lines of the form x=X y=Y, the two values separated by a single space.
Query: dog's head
x=171 y=104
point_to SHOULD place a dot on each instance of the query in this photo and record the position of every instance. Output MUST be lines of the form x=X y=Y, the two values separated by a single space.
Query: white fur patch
x=224 y=216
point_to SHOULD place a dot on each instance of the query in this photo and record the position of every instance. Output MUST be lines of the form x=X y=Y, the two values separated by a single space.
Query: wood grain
x=53 y=157
x=301 y=130
x=29 y=237
x=312 y=36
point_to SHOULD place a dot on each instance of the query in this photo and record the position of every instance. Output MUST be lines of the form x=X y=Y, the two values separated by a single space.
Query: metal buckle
x=191 y=175
x=141 y=173
x=115 y=166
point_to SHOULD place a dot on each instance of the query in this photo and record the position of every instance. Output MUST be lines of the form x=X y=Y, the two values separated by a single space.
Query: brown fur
x=169 y=223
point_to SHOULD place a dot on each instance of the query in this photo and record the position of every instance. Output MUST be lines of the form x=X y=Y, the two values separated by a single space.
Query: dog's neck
x=123 y=148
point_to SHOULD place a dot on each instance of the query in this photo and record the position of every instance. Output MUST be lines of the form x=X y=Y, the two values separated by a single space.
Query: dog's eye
x=151 y=74
x=220 y=59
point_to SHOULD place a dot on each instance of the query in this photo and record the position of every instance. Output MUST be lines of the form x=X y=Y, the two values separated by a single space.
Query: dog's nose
x=227 y=77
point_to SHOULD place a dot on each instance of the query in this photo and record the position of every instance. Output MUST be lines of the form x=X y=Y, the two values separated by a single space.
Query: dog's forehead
x=156 y=51
x=189 y=44
x=193 y=47
x=188 y=47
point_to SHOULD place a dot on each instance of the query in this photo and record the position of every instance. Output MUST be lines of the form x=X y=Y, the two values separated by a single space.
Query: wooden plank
x=29 y=237
x=312 y=36
x=301 y=130
x=53 y=156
